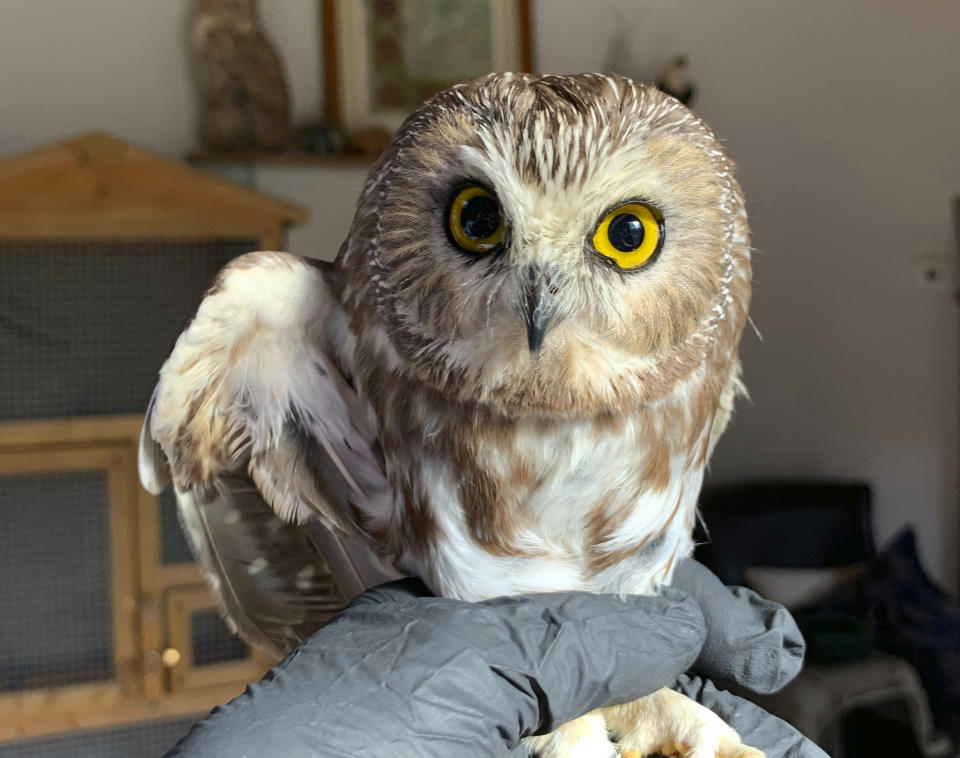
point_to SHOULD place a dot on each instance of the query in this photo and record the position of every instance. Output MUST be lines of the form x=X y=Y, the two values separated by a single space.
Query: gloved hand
x=403 y=673
x=751 y=642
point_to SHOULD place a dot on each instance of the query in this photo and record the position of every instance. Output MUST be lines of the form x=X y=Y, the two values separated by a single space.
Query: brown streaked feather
x=601 y=558
x=273 y=584
x=656 y=469
x=416 y=532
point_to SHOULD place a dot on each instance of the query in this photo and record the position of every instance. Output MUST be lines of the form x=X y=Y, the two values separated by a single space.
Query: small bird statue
x=510 y=380
x=243 y=90
x=674 y=79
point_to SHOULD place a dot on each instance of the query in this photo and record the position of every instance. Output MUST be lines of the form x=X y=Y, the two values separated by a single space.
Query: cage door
x=68 y=631
x=202 y=651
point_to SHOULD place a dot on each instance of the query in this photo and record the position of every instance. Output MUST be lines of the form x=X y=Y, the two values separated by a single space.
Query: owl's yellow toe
x=729 y=751
x=669 y=749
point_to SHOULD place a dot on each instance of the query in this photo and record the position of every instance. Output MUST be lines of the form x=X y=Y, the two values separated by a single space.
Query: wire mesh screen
x=173 y=542
x=212 y=641
x=147 y=740
x=88 y=323
x=55 y=619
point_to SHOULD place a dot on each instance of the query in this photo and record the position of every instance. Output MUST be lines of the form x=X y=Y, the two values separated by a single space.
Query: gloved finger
x=755 y=726
x=750 y=641
x=576 y=652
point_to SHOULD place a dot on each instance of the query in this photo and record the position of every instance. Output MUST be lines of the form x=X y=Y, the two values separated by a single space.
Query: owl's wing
x=260 y=430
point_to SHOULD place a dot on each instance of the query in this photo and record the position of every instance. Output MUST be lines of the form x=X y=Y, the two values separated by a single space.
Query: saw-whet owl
x=510 y=379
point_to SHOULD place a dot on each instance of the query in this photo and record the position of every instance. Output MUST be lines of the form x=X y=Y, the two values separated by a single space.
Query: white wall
x=842 y=115
x=68 y=66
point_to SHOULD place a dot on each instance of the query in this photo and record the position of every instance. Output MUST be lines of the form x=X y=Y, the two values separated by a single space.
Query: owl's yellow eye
x=474 y=220
x=629 y=235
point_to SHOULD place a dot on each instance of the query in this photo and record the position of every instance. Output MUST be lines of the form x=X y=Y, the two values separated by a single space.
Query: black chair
x=754 y=527
x=790 y=524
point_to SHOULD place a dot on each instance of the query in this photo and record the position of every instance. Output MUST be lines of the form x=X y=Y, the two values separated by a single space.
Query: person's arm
x=401 y=673
x=404 y=673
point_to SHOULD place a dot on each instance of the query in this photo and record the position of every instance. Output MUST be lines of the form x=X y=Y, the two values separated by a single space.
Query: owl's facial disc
x=550 y=244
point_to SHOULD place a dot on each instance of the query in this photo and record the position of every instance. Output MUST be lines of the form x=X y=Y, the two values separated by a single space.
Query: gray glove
x=408 y=674
x=753 y=643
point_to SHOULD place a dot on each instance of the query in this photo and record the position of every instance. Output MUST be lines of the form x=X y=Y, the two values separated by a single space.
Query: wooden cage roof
x=96 y=185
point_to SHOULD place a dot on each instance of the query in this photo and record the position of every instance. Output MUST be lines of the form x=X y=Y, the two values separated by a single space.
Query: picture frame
x=382 y=58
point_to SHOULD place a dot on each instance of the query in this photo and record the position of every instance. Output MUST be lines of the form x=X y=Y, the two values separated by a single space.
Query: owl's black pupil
x=480 y=217
x=625 y=232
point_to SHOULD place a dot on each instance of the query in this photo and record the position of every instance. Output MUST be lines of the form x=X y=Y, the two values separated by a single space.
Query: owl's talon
x=684 y=751
x=668 y=723
x=726 y=749
x=585 y=737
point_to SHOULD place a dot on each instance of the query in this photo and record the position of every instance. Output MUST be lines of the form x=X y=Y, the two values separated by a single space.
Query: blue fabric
x=914 y=619
x=911 y=618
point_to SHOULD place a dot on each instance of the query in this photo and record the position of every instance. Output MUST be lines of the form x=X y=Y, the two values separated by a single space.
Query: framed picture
x=383 y=58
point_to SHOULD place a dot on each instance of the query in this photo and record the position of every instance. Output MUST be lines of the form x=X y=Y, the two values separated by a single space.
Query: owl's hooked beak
x=537 y=296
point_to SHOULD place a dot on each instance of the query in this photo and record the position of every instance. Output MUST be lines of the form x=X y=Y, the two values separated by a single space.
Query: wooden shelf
x=344 y=160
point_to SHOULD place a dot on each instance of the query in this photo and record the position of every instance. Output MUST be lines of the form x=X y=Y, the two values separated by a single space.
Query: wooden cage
x=105 y=251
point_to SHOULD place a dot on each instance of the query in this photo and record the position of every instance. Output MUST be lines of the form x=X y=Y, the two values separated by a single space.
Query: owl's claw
x=723 y=751
x=585 y=737
x=724 y=748
x=668 y=723
x=665 y=723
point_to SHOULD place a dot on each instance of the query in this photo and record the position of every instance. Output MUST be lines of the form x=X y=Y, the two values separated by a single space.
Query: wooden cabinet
x=105 y=251
x=201 y=651
x=99 y=629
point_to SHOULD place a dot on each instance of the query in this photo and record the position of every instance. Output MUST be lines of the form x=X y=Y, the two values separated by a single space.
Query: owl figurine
x=510 y=380
x=244 y=102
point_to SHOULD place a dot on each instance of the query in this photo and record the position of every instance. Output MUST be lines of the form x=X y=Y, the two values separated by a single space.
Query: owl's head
x=551 y=244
